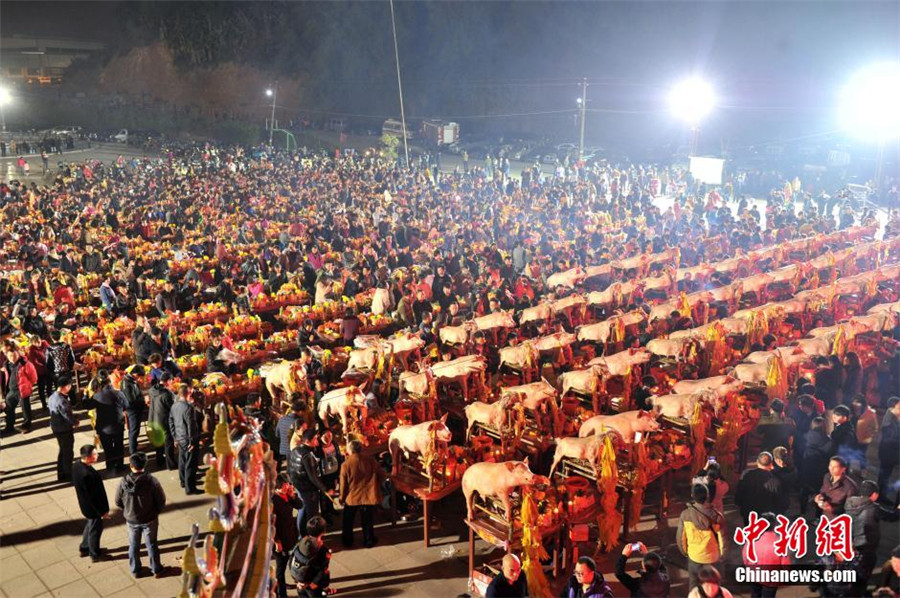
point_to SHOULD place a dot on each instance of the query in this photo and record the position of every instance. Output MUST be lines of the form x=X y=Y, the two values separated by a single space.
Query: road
x=105 y=152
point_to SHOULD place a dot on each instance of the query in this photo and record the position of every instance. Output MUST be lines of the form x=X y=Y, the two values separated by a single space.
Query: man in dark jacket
x=284 y=501
x=285 y=429
x=110 y=423
x=814 y=462
x=509 y=583
x=92 y=501
x=865 y=515
x=889 y=447
x=843 y=436
x=142 y=499
x=92 y=260
x=828 y=380
x=161 y=401
x=653 y=581
x=802 y=415
x=60 y=357
x=310 y=561
x=785 y=471
x=303 y=469
x=155 y=342
x=775 y=428
x=62 y=424
x=135 y=406
x=214 y=363
x=759 y=490
x=167 y=299
x=586 y=582
x=186 y=431
x=836 y=488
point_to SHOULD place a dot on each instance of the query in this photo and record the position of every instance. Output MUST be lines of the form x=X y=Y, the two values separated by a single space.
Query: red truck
x=440 y=133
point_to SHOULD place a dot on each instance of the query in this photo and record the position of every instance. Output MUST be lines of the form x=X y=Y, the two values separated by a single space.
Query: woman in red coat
x=17 y=378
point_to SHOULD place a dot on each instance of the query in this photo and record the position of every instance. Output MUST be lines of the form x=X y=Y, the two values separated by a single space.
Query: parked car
x=65 y=132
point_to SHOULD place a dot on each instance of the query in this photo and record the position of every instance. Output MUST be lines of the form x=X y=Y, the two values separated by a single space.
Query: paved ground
x=105 y=152
x=41 y=527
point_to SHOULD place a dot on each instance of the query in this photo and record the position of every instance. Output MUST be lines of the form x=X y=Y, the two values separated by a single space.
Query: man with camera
x=653 y=579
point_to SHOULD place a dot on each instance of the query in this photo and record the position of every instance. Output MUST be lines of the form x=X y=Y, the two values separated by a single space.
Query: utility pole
x=399 y=86
x=695 y=140
x=879 y=167
x=583 y=111
x=272 y=122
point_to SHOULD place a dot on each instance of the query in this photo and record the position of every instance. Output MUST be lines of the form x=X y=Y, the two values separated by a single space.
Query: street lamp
x=5 y=98
x=582 y=105
x=870 y=108
x=691 y=101
x=272 y=93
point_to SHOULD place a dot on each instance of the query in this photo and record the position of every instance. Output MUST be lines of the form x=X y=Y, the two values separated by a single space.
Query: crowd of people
x=441 y=247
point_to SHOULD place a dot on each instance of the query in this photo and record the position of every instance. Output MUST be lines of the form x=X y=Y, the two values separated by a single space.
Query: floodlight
x=269 y=92
x=870 y=103
x=5 y=96
x=691 y=100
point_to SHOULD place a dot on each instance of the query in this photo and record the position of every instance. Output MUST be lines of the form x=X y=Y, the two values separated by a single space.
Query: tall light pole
x=691 y=100
x=583 y=102
x=273 y=93
x=868 y=106
x=5 y=98
x=399 y=85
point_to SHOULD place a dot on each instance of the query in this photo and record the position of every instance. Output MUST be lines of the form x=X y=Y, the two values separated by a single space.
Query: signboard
x=707 y=170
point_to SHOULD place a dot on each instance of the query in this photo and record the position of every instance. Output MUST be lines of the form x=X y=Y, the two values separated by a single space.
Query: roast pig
x=495 y=480
x=587 y=448
x=626 y=424
x=417 y=439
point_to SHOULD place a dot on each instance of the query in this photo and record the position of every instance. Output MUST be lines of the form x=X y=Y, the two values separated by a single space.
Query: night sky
x=779 y=63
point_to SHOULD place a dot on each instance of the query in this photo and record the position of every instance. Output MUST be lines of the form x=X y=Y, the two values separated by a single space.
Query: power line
x=442 y=116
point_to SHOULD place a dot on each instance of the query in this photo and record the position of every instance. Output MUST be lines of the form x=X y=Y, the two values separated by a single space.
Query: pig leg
x=470 y=502
x=507 y=505
x=395 y=456
x=344 y=421
x=557 y=457
x=557 y=419
x=469 y=426
x=270 y=386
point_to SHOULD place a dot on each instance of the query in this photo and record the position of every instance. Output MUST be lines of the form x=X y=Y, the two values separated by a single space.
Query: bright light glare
x=691 y=100
x=870 y=103
x=5 y=96
x=269 y=92
x=577 y=100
